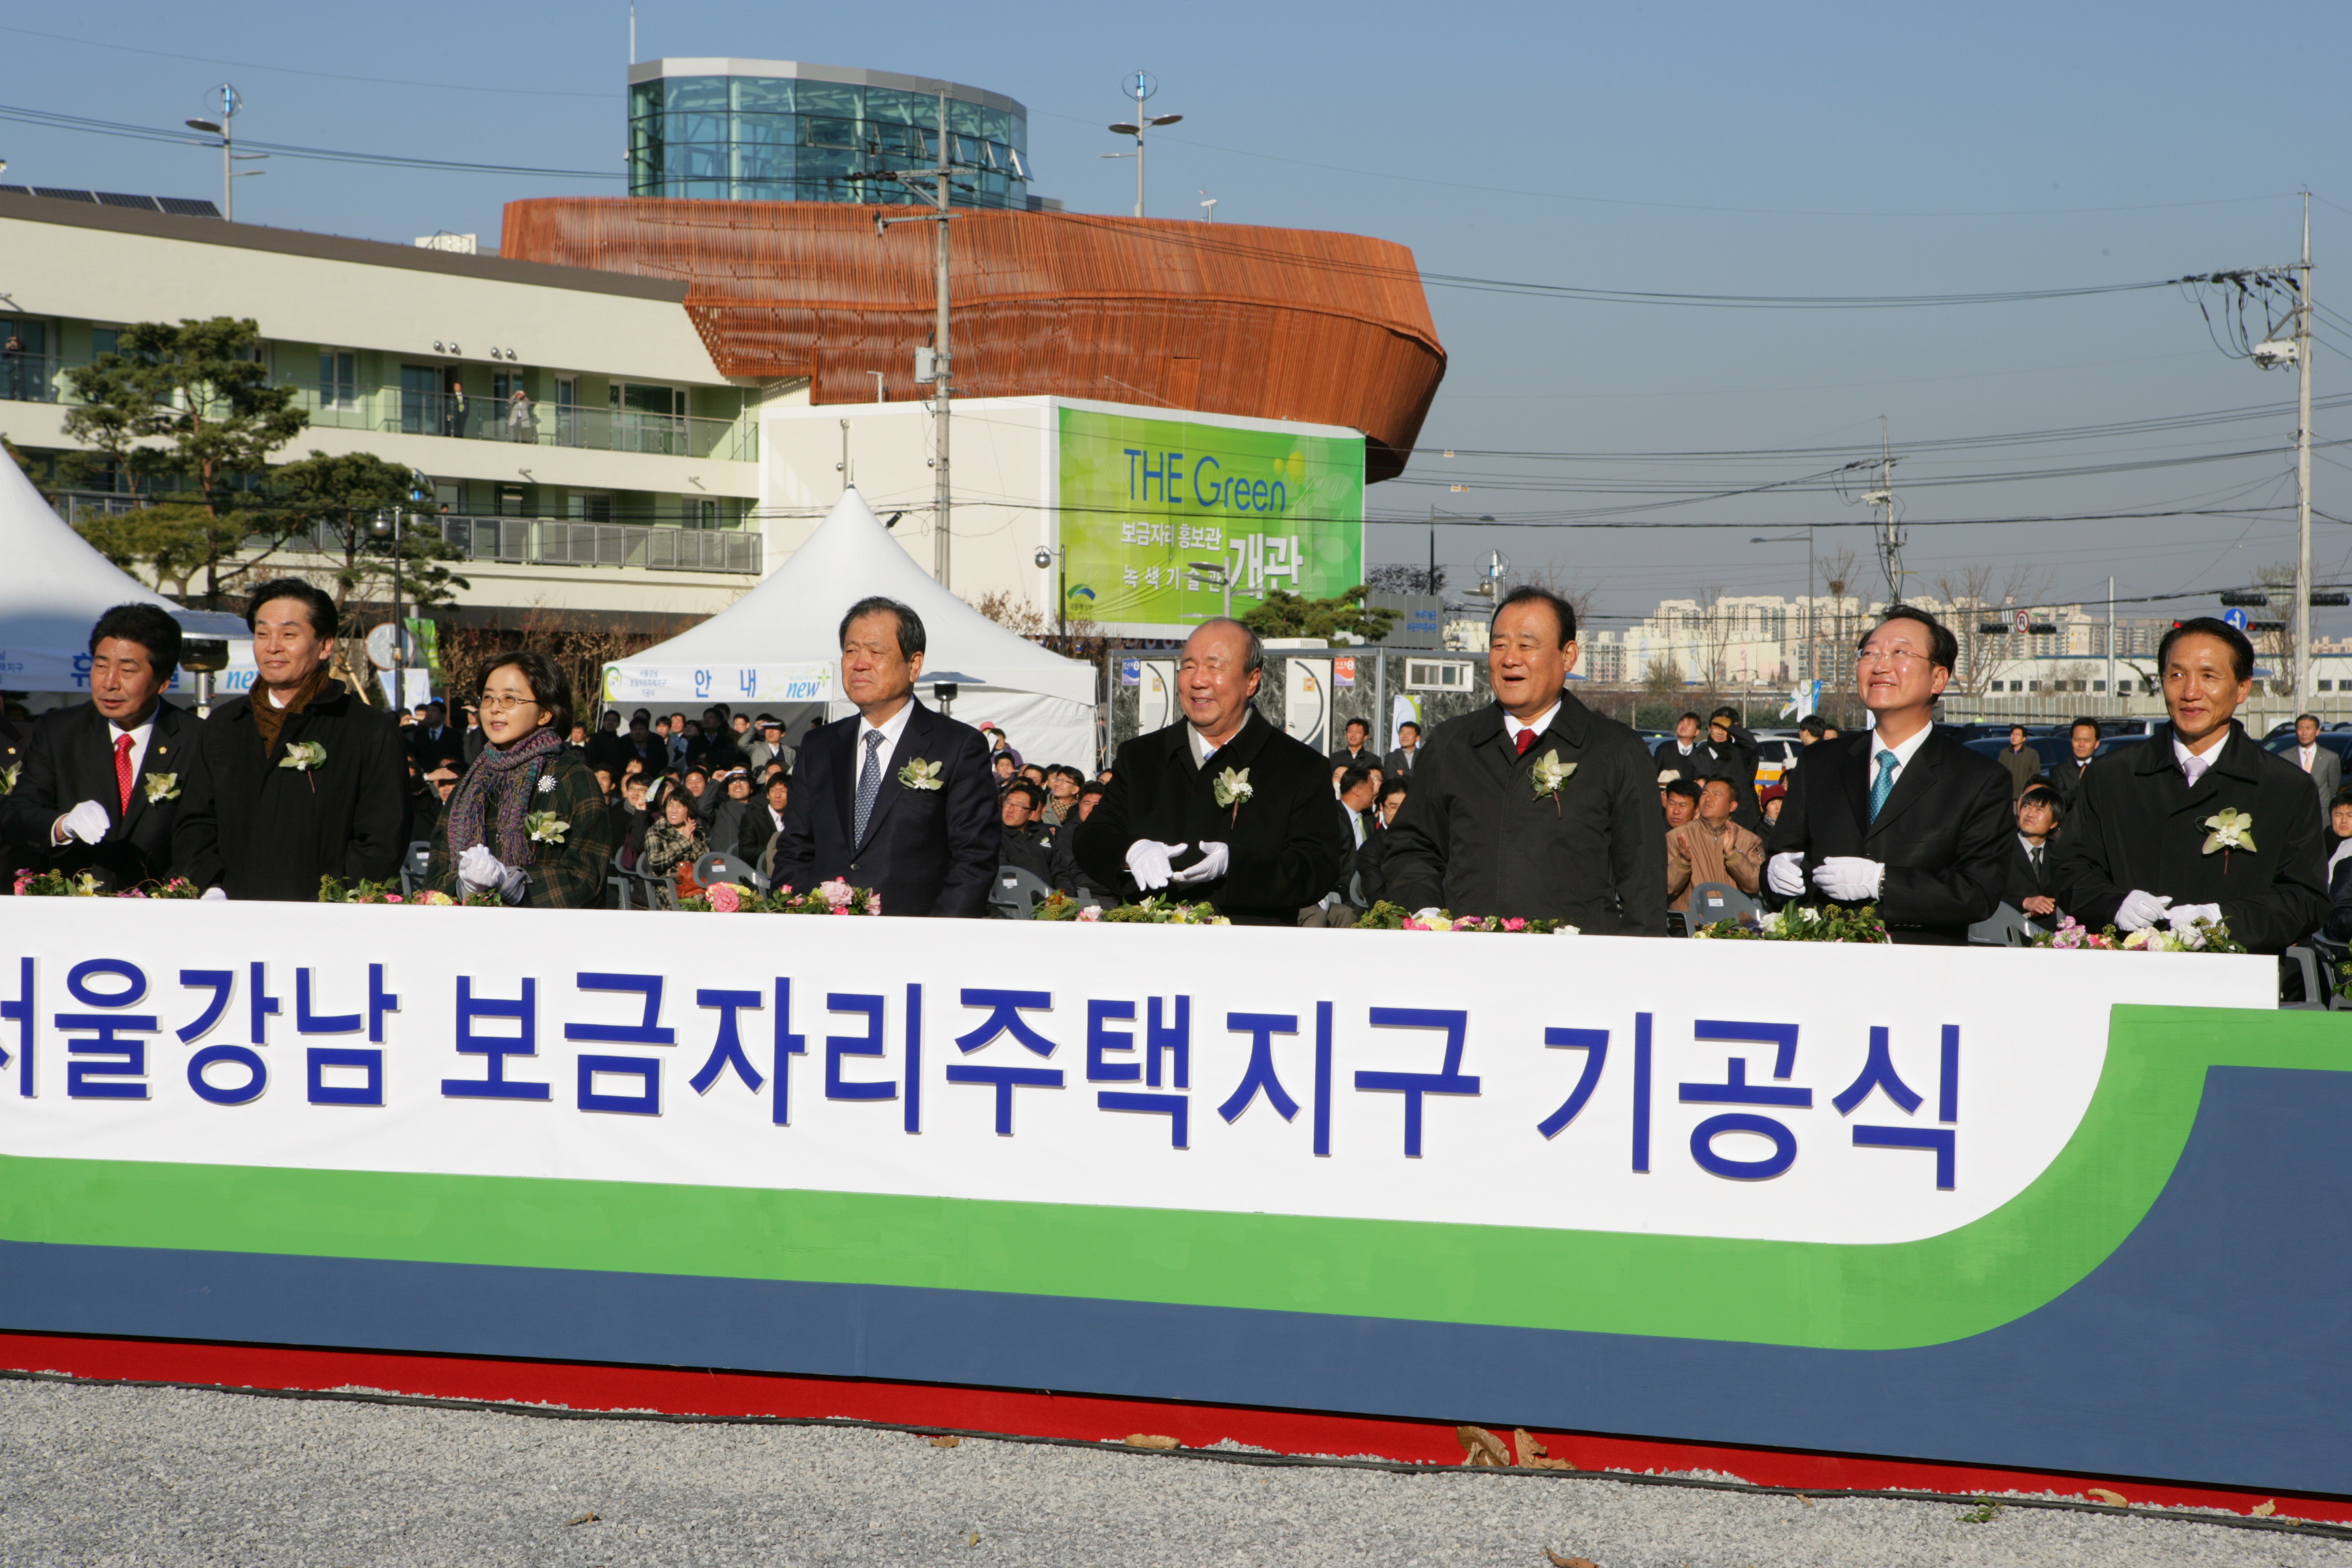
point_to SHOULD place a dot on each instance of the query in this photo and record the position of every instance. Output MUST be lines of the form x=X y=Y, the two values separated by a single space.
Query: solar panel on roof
x=59 y=195
x=117 y=199
x=188 y=206
x=16 y=190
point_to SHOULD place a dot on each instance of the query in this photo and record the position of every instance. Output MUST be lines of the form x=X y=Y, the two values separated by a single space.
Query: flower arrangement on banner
x=33 y=884
x=1154 y=911
x=833 y=898
x=333 y=889
x=1802 y=922
x=2202 y=936
x=1386 y=916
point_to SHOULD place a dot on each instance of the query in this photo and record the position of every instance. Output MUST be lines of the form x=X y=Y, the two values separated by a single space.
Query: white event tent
x=778 y=647
x=54 y=588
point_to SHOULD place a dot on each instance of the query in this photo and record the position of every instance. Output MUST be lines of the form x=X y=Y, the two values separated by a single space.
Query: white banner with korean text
x=1768 y=1090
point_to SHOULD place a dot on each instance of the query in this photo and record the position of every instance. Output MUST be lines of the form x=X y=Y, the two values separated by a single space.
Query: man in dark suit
x=898 y=799
x=299 y=779
x=14 y=736
x=433 y=741
x=2081 y=742
x=1025 y=843
x=1733 y=755
x=1357 y=794
x=2033 y=868
x=1902 y=815
x=1407 y=751
x=1481 y=835
x=1687 y=753
x=2146 y=842
x=1070 y=877
x=1371 y=876
x=1221 y=806
x=1358 y=752
x=101 y=782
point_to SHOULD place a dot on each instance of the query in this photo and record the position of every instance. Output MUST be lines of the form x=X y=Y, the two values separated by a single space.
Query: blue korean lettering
x=1172 y=1038
x=869 y=1044
x=306 y=1022
x=220 y=983
x=1005 y=1008
x=496 y=1049
x=113 y=1066
x=647 y=1031
x=1594 y=1044
x=18 y=1010
x=787 y=1046
x=914 y=1101
x=1943 y=1141
x=1259 y=1074
x=260 y=1006
x=1322 y=1080
x=1414 y=1086
x=322 y=1058
x=1641 y=1092
x=257 y=1075
x=1737 y=1091
x=319 y=1060
x=727 y=1050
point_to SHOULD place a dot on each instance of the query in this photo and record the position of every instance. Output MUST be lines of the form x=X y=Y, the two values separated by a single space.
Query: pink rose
x=1091 y=913
x=838 y=893
x=841 y=909
x=726 y=899
x=1515 y=923
x=394 y=899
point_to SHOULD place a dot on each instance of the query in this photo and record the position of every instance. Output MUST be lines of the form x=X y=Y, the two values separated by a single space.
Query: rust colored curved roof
x=1274 y=323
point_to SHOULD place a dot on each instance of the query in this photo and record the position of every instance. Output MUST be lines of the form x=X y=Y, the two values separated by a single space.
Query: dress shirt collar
x=890 y=730
x=2190 y=762
x=1198 y=744
x=1903 y=752
x=140 y=737
x=2030 y=847
x=1511 y=726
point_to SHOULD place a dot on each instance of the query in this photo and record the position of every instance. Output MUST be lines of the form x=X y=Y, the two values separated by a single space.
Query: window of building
x=339 y=379
x=701 y=512
x=591 y=506
x=513 y=501
x=2327 y=685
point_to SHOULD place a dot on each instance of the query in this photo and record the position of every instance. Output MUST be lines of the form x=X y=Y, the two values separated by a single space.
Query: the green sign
x=1147 y=503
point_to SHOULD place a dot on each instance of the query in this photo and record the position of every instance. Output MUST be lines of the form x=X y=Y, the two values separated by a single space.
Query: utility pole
x=1142 y=85
x=2111 y=639
x=1890 y=538
x=935 y=359
x=2302 y=468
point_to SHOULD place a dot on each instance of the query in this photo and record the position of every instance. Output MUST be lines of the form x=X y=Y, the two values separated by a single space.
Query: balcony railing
x=40 y=378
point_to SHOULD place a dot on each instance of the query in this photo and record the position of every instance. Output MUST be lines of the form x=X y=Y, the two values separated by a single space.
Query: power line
x=53 y=120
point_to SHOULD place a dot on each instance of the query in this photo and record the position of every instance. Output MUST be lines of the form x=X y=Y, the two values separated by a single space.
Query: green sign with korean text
x=1146 y=503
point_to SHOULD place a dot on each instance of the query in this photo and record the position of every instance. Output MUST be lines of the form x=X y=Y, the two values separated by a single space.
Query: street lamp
x=230 y=103
x=1218 y=575
x=1142 y=85
x=389 y=528
x=1045 y=557
x=1811 y=673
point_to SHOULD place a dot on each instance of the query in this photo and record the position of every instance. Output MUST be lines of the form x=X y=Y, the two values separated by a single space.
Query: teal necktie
x=1883 y=784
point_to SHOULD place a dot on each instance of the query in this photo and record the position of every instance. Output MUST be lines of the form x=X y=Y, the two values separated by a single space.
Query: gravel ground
x=118 y=1476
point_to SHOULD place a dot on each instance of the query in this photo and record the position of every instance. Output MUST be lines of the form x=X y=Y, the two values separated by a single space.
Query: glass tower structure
x=782 y=130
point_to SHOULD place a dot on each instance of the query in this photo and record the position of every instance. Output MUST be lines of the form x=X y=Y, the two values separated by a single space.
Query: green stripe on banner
x=1876 y=1297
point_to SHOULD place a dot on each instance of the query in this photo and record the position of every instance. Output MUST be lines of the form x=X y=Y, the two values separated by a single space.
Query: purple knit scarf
x=504 y=783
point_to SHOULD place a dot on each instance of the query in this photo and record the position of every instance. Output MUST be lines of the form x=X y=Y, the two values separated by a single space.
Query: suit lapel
x=1910 y=783
x=911 y=741
x=1854 y=777
x=162 y=757
x=845 y=770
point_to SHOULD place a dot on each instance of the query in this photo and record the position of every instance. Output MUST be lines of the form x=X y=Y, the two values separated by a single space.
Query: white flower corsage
x=919 y=774
x=2232 y=829
x=1233 y=787
x=1548 y=774
x=305 y=757
x=162 y=787
x=545 y=826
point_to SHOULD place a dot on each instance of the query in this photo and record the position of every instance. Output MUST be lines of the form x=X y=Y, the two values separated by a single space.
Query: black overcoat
x=1474 y=838
x=926 y=851
x=2137 y=824
x=70 y=759
x=263 y=831
x=1945 y=835
x=1283 y=843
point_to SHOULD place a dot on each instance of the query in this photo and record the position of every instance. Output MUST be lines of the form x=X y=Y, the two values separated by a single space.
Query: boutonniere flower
x=162 y=787
x=1233 y=787
x=305 y=757
x=1548 y=774
x=545 y=826
x=920 y=775
x=2232 y=829
x=8 y=777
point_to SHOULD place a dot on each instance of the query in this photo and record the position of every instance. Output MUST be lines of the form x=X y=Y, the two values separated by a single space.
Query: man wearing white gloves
x=1222 y=807
x=1902 y=815
x=2197 y=821
x=99 y=785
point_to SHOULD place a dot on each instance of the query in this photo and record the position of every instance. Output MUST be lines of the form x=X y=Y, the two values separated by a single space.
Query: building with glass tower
x=783 y=131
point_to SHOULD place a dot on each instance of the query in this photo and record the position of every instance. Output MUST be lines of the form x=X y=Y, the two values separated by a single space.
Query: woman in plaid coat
x=526 y=822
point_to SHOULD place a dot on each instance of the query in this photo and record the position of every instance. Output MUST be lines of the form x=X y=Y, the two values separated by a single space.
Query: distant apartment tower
x=784 y=130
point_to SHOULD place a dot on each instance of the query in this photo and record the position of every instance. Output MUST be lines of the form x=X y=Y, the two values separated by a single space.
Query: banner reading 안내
x=1145 y=501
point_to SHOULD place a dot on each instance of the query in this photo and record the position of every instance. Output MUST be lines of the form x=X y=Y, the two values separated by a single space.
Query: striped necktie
x=869 y=784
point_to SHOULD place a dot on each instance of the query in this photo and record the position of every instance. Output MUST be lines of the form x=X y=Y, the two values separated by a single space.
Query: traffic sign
x=2234 y=617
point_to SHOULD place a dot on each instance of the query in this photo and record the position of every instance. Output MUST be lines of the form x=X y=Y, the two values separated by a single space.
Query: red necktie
x=1527 y=739
x=122 y=770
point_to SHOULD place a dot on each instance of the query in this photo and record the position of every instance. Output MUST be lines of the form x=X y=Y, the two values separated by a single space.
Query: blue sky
x=1702 y=149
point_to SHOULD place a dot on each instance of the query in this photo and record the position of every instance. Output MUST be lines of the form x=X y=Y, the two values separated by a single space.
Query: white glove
x=1147 y=862
x=2181 y=917
x=1430 y=913
x=1849 y=878
x=1211 y=866
x=480 y=871
x=2140 y=911
x=86 y=822
x=213 y=894
x=1785 y=874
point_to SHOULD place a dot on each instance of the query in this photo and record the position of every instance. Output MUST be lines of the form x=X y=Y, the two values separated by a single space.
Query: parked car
x=2053 y=749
